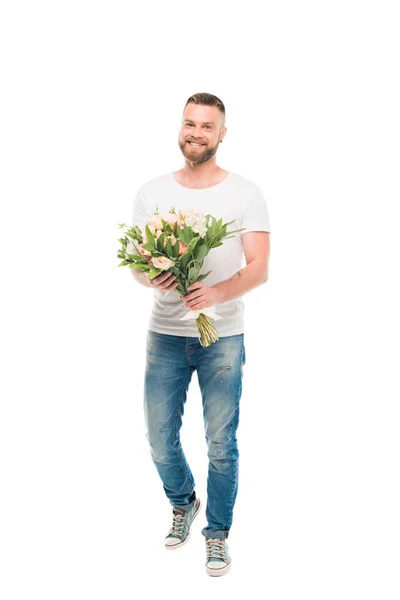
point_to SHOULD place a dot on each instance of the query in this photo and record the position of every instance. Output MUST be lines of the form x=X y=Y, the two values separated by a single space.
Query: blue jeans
x=170 y=362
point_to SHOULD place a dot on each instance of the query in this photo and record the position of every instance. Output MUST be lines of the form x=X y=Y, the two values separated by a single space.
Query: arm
x=141 y=278
x=256 y=249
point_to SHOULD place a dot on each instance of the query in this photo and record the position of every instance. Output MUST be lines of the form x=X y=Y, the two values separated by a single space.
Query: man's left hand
x=201 y=296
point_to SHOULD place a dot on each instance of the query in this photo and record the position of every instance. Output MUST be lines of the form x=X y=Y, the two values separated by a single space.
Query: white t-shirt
x=234 y=199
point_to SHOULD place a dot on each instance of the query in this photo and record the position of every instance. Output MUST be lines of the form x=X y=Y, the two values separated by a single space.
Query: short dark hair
x=209 y=100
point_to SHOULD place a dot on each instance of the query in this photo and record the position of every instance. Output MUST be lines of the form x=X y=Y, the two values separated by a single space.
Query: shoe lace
x=178 y=524
x=216 y=548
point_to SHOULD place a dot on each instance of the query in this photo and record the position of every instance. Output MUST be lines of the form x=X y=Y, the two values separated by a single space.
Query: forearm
x=241 y=282
x=141 y=278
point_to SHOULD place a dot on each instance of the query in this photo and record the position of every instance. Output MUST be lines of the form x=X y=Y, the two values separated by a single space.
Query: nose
x=196 y=133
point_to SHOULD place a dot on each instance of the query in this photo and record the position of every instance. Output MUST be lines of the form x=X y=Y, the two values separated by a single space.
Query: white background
x=91 y=102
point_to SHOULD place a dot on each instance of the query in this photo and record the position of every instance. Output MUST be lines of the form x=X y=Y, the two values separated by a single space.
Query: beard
x=197 y=156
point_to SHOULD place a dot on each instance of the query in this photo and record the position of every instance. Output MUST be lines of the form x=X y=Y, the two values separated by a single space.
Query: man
x=173 y=347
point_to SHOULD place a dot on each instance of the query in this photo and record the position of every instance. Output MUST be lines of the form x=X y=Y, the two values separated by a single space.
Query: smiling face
x=201 y=132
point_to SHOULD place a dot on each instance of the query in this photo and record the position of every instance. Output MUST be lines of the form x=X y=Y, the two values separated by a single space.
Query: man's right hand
x=164 y=281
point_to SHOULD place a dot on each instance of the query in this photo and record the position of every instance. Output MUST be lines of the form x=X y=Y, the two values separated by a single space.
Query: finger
x=195 y=286
x=168 y=282
x=194 y=298
x=163 y=277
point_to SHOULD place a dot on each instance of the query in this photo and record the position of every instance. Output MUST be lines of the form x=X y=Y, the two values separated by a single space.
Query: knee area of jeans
x=160 y=451
x=160 y=455
x=221 y=450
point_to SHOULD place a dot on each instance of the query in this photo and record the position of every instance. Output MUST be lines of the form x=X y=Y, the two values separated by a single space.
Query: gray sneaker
x=218 y=557
x=179 y=533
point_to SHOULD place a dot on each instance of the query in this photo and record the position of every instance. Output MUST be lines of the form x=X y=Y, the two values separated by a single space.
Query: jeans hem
x=221 y=534
x=186 y=506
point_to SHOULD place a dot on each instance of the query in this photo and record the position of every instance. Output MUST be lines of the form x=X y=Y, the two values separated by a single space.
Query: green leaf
x=188 y=234
x=169 y=248
x=149 y=236
x=175 y=270
x=154 y=273
x=236 y=230
x=192 y=277
x=137 y=257
x=160 y=242
x=140 y=266
x=200 y=252
x=203 y=276
x=175 y=249
x=185 y=258
x=195 y=240
x=211 y=230
x=183 y=236
x=195 y=264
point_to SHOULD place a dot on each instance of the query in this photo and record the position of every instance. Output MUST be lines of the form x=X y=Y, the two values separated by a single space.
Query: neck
x=201 y=173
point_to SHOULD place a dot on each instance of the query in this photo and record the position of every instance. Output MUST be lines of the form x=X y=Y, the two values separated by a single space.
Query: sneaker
x=218 y=558
x=179 y=533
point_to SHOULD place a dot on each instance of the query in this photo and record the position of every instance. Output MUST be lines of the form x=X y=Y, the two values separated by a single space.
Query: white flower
x=131 y=248
x=162 y=262
x=201 y=229
x=200 y=226
x=190 y=221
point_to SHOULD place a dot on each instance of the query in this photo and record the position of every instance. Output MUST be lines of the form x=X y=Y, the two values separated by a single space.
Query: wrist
x=219 y=293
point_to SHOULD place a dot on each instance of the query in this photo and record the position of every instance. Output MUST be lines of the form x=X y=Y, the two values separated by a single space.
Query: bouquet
x=179 y=243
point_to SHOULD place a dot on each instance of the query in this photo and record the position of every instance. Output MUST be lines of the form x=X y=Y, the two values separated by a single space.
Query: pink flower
x=162 y=262
x=182 y=248
x=171 y=219
x=143 y=251
x=172 y=238
x=155 y=223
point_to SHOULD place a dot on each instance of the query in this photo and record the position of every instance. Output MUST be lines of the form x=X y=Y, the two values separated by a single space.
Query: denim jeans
x=170 y=362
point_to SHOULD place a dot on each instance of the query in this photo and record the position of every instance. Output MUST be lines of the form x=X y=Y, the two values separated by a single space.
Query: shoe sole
x=218 y=572
x=175 y=546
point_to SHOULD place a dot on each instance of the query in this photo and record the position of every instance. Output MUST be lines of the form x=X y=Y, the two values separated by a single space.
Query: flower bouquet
x=177 y=242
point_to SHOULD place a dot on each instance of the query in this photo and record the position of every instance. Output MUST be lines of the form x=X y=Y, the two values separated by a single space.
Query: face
x=200 y=124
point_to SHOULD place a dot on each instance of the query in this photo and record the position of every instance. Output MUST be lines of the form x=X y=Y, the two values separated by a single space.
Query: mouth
x=195 y=144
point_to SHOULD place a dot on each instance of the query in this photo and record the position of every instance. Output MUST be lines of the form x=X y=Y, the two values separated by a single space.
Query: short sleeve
x=256 y=214
x=139 y=214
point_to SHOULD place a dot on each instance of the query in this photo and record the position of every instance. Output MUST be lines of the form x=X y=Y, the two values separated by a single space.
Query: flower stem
x=206 y=329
